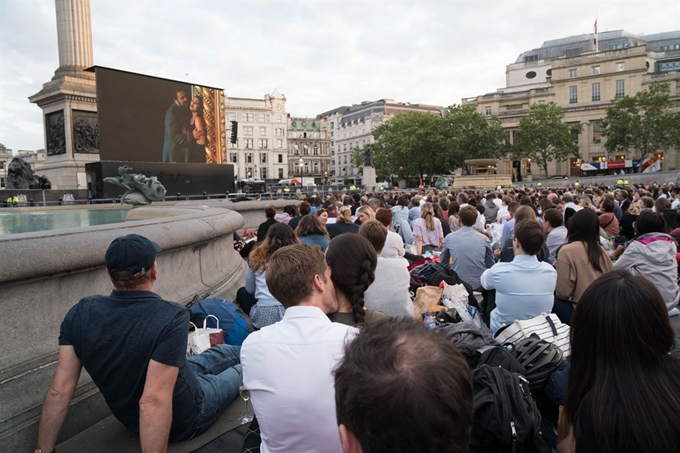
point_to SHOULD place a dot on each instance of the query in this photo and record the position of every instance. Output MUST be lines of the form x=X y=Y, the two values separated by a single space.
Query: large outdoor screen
x=148 y=119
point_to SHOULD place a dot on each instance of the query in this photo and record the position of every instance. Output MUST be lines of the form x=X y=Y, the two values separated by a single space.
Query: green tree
x=643 y=124
x=408 y=144
x=470 y=135
x=542 y=136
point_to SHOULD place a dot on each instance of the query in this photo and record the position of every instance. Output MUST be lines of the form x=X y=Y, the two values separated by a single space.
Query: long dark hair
x=585 y=227
x=649 y=222
x=622 y=377
x=278 y=235
x=352 y=260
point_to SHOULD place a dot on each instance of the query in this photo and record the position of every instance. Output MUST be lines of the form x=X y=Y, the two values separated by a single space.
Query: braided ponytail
x=352 y=259
x=356 y=296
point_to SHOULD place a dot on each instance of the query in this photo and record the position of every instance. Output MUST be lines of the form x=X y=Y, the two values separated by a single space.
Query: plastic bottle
x=429 y=321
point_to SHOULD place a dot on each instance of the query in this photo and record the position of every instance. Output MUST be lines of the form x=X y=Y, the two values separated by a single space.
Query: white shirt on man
x=288 y=368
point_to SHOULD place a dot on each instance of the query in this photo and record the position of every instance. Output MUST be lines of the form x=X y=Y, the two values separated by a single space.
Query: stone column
x=74 y=35
x=69 y=101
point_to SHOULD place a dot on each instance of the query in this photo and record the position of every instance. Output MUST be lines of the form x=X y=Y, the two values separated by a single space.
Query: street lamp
x=302 y=161
x=325 y=177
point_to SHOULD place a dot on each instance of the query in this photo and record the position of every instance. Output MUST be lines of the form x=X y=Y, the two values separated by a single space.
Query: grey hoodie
x=652 y=255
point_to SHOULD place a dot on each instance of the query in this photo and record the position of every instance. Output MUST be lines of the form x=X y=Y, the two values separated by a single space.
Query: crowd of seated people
x=339 y=361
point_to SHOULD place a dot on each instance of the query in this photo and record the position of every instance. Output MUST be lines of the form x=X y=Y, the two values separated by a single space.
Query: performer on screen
x=177 y=134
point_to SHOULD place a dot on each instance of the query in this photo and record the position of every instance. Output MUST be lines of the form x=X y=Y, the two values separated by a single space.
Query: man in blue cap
x=133 y=345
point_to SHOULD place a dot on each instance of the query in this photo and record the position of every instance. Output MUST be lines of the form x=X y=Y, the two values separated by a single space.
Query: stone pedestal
x=368 y=178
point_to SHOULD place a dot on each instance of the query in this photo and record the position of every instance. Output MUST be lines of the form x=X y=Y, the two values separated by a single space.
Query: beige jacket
x=574 y=272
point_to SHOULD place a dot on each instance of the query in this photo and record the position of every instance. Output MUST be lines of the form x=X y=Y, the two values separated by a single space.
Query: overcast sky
x=320 y=54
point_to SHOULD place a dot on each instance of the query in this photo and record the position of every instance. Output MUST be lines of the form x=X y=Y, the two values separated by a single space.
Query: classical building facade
x=352 y=127
x=5 y=158
x=585 y=81
x=309 y=150
x=261 y=150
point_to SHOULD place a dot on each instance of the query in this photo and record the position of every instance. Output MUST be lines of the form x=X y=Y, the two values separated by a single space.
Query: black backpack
x=506 y=418
x=497 y=356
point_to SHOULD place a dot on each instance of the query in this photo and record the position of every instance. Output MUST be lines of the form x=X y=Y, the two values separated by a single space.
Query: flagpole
x=597 y=44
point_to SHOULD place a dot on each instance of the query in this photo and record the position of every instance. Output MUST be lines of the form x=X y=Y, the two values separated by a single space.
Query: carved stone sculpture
x=20 y=176
x=141 y=190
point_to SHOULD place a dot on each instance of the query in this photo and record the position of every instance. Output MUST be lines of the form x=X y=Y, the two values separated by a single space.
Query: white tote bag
x=548 y=327
x=200 y=340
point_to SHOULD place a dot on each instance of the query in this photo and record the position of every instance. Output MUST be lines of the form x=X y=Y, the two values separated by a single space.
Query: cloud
x=320 y=53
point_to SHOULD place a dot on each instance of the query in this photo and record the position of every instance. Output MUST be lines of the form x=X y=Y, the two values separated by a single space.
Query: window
x=531 y=58
x=316 y=150
x=572 y=73
x=574 y=135
x=263 y=131
x=596 y=91
x=316 y=167
x=280 y=173
x=261 y=118
x=669 y=66
x=247 y=117
x=249 y=158
x=232 y=116
x=345 y=158
x=595 y=70
x=278 y=118
x=280 y=158
x=263 y=158
x=233 y=145
x=263 y=173
x=542 y=101
x=233 y=158
x=279 y=143
x=487 y=111
x=249 y=172
x=573 y=51
x=620 y=66
x=278 y=132
x=597 y=133
x=620 y=89
x=247 y=130
x=264 y=143
x=248 y=143
x=573 y=94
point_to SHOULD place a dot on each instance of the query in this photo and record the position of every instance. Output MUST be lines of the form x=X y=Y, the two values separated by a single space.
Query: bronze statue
x=20 y=176
x=141 y=190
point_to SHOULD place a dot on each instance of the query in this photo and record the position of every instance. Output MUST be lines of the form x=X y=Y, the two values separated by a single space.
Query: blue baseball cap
x=132 y=253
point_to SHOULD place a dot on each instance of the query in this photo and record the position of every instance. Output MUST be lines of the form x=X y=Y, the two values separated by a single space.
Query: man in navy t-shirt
x=133 y=345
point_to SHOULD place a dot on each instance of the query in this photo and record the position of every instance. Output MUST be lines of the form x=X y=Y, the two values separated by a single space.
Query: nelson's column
x=68 y=101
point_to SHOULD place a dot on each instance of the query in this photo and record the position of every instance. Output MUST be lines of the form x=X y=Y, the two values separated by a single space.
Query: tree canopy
x=643 y=124
x=408 y=145
x=470 y=135
x=542 y=136
x=415 y=144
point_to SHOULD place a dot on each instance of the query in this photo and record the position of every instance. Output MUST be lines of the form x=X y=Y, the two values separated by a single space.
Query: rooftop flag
x=595 y=35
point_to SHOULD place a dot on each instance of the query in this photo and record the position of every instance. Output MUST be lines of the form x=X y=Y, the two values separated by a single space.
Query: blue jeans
x=218 y=372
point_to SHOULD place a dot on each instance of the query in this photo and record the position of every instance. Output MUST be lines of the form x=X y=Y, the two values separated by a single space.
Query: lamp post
x=302 y=161
x=325 y=177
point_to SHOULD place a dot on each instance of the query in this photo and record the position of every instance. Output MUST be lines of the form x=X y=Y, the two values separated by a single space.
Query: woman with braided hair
x=352 y=260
